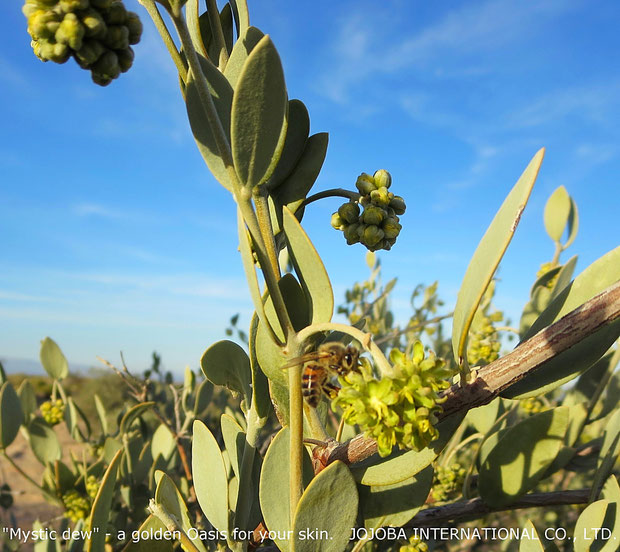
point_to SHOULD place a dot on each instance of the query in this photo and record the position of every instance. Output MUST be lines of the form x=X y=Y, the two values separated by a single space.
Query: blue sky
x=116 y=237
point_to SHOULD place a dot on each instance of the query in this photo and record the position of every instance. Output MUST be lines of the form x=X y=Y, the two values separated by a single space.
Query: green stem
x=266 y=228
x=172 y=524
x=316 y=427
x=160 y=25
x=51 y=496
x=556 y=254
x=296 y=438
x=217 y=33
x=340 y=429
x=334 y=192
x=364 y=338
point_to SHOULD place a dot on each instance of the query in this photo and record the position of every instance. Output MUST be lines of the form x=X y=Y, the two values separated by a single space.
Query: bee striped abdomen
x=312 y=379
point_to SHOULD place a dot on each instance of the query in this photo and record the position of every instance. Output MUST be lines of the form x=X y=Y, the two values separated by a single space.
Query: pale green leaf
x=240 y=52
x=133 y=414
x=530 y=540
x=588 y=527
x=226 y=363
x=11 y=415
x=150 y=526
x=28 y=400
x=557 y=211
x=521 y=456
x=209 y=473
x=53 y=360
x=43 y=441
x=488 y=255
x=100 y=511
x=258 y=118
x=162 y=442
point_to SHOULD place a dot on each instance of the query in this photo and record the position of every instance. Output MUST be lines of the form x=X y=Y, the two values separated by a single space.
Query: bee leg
x=330 y=389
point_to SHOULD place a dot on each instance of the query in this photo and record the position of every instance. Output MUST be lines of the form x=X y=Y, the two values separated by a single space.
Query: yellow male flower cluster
x=53 y=413
x=484 y=344
x=77 y=506
x=92 y=486
x=400 y=409
x=448 y=481
x=97 y=33
x=415 y=544
x=377 y=226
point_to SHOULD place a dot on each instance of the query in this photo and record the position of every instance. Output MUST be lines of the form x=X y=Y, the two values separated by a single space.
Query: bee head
x=350 y=358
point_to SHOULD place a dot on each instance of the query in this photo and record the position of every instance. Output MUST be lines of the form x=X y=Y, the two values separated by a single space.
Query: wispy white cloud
x=89 y=209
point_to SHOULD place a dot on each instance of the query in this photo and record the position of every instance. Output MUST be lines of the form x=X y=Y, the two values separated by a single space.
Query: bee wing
x=303 y=359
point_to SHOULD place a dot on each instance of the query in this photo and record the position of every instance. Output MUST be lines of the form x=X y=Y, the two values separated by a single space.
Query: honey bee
x=329 y=359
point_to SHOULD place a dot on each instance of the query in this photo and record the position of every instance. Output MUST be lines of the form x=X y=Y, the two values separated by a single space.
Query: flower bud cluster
x=532 y=405
x=97 y=33
x=448 y=481
x=92 y=486
x=53 y=413
x=484 y=343
x=77 y=506
x=415 y=544
x=400 y=409
x=377 y=225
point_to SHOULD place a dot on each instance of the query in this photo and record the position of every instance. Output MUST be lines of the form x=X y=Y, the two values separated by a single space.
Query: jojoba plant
x=367 y=459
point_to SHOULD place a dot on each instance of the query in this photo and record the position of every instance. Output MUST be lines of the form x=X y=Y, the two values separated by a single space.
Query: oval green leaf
x=521 y=456
x=530 y=541
x=588 y=526
x=482 y=418
x=204 y=394
x=394 y=505
x=53 y=360
x=11 y=415
x=226 y=363
x=43 y=441
x=488 y=254
x=310 y=269
x=608 y=455
x=295 y=188
x=171 y=499
x=297 y=133
x=258 y=117
x=274 y=490
x=28 y=399
x=100 y=510
x=101 y=414
x=133 y=414
x=150 y=526
x=598 y=276
x=557 y=211
x=240 y=52
x=162 y=443
x=328 y=507
x=222 y=94
x=210 y=481
x=234 y=440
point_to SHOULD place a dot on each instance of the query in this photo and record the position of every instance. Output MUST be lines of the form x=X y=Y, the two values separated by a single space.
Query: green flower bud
x=70 y=6
x=380 y=197
x=42 y=24
x=365 y=184
x=30 y=8
x=116 y=14
x=89 y=53
x=94 y=25
x=125 y=59
x=372 y=235
x=117 y=37
x=58 y=53
x=382 y=178
x=107 y=66
x=351 y=233
x=391 y=227
x=373 y=215
x=337 y=221
x=70 y=32
x=349 y=211
x=398 y=204
x=134 y=25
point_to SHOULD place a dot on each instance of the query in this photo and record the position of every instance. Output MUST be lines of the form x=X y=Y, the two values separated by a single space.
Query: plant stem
x=316 y=427
x=49 y=495
x=160 y=25
x=172 y=525
x=364 y=338
x=334 y=192
x=217 y=33
x=266 y=228
x=296 y=438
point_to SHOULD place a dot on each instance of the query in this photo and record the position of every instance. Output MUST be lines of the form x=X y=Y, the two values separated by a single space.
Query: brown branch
x=598 y=312
x=475 y=508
